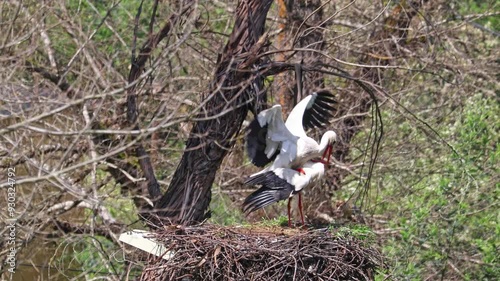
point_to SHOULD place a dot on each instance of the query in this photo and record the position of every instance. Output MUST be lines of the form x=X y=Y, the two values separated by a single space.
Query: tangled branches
x=216 y=253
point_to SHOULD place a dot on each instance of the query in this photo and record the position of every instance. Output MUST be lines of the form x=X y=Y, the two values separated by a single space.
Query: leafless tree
x=119 y=114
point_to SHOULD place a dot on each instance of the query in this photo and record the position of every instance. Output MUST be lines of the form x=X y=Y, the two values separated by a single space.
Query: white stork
x=282 y=183
x=269 y=138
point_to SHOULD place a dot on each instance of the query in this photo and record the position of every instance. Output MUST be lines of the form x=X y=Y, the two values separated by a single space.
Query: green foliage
x=86 y=253
x=448 y=215
x=224 y=211
x=359 y=231
x=218 y=21
x=277 y=221
x=482 y=7
x=108 y=22
x=121 y=208
x=88 y=256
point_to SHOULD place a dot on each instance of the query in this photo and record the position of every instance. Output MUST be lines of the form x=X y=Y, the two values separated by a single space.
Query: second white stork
x=283 y=183
x=270 y=138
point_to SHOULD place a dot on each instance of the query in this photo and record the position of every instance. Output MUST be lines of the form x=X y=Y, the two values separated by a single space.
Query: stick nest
x=210 y=252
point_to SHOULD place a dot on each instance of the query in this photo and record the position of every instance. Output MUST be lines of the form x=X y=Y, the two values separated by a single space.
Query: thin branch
x=65 y=206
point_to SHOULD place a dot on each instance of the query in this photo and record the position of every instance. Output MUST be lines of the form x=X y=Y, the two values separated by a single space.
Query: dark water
x=39 y=261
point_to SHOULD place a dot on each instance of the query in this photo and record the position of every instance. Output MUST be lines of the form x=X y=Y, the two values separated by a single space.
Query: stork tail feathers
x=261 y=198
x=272 y=190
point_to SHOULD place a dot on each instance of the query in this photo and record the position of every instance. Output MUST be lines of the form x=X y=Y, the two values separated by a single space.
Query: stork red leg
x=289 y=214
x=300 y=209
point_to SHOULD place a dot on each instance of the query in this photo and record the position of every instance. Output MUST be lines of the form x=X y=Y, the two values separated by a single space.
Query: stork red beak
x=326 y=156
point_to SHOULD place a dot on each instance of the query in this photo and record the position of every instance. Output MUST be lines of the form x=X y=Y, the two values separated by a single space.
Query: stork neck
x=322 y=161
x=323 y=144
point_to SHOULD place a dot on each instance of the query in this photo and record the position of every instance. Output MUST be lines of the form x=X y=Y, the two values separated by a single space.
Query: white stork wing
x=266 y=134
x=313 y=111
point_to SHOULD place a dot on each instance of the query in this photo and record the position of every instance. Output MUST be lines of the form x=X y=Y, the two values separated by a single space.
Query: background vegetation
x=430 y=203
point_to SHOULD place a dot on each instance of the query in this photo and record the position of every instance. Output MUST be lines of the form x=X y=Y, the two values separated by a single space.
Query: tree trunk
x=284 y=93
x=188 y=196
x=301 y=22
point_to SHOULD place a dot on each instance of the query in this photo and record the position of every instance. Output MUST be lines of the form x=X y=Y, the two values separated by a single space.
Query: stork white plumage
x=270 y=138
x=283 y=183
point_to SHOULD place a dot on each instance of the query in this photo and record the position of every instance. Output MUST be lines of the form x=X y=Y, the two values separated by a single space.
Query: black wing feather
x=325 y=94
x=322 y=104
x=313 y=120
x=320 y=112
x=256 y=144
x=326 y=97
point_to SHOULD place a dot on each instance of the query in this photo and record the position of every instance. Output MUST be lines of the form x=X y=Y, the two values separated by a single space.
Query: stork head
x=330 y=136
